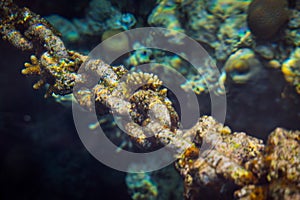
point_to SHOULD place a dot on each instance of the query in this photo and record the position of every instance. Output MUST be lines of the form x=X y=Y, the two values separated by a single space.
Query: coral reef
x=217 y=24
x=162 y=184
x=166 y=15
x=100 y=16
x=226 y=27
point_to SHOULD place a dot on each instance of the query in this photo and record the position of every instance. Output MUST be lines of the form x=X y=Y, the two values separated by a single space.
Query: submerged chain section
x=209 y=156
x=51 y=61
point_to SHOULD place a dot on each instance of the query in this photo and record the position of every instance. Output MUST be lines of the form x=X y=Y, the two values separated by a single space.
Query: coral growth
x=240 y=162
x=266 y=17
x=54 y=63
x=291 y=69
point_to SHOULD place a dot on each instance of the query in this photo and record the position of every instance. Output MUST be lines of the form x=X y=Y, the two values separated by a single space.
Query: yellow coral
x=32 y=68
x=291 y=69
x=143 y=79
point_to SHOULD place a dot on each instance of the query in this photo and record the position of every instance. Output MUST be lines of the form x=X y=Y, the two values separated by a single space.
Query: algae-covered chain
x=28 y=31
x=237 y=164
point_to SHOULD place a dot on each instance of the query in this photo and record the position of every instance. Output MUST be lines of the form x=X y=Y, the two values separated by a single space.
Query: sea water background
x=41 y=156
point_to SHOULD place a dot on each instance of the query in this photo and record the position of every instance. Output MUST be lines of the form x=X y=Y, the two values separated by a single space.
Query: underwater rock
x=266 y=17
x=242 y=65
